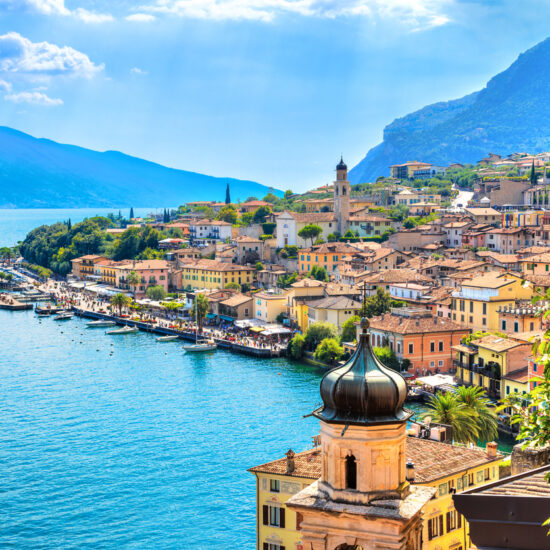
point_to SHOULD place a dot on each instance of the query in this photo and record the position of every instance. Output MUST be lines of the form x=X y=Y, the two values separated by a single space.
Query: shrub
x=319 y=331
x=349 y=330
x=296 y=346
x=328 y=351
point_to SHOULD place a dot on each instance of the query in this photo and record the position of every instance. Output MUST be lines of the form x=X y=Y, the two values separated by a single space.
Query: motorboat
x=64 y=316
x=167 y=338
x=124 y=330
x=200 y=345
x=101 y=323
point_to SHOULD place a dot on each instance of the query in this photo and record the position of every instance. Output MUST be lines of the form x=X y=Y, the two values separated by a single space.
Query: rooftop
x=414 y=325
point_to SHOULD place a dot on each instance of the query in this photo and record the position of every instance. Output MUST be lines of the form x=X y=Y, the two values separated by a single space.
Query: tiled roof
x=206 y=221
x=538 y=280
x=390 y=276
x=313 y=217
x=496 y=343
x=543 y=258
x=490 y=280
x=331 y=248
x=531 y=485
x=307 y=283
x=213 y=265
x=335 y=302
x=400 y=324
x=236 y=300
x=482 y=211
x=432 y=461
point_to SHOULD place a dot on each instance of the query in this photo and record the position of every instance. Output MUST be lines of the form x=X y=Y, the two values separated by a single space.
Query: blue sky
x=268 y=90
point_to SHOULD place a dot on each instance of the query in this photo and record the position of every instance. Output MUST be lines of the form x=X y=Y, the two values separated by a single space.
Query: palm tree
x=200 y=309
x=475 y=398
x=120 y=300
x=133 y=280
x=445 y=408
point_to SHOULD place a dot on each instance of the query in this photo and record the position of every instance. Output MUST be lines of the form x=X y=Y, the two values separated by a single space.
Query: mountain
x=511 y=114
x=39 y=173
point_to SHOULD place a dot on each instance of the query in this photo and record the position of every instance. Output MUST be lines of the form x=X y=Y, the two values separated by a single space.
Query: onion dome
x=341 y=165
x=363 y=391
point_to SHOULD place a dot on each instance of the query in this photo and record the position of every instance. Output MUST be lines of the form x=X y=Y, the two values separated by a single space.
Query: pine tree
x=69 y=224
x=533 y=176
x=227 y=195
x=119 y=215
x=132 y=213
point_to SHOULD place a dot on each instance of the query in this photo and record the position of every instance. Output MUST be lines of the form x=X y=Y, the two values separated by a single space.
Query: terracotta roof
x=335 y=302
x=482 y=211
x=256 y=203
x=538 y=280
x=490 y=280
x=313 y=217
x=400 y=324
x=331 y=248
x=213 y=265
x=530 y=485
x=432 y=460
x=497 y=343
x=520 y=375
x=307 y=282
x=206 y=221
x=245 y=239
x=390 y=276
x=543 y=258
x=236 y=300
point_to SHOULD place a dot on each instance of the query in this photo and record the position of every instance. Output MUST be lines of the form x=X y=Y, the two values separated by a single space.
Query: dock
x=184 y=335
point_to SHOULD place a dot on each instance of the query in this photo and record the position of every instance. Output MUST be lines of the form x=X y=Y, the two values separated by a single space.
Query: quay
x=14 y=305
x=185 y=335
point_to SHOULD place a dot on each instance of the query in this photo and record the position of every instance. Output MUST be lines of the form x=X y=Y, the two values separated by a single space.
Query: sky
x=267 y=90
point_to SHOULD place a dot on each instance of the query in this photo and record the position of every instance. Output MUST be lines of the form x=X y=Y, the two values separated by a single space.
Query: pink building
x=150 y=272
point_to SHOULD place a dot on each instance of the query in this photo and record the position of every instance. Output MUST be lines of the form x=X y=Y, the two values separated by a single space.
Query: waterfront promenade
x=93 y=307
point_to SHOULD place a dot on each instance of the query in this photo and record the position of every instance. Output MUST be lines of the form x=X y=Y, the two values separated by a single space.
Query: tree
x=131 y=212
x=235 y=286
x=475 y=399
x=288 y=194
x=156 y=293
x=284 y=281
x=533 y=174
x=388 y=357
x=349 y=330
x=296 y=346
x=261 y=213
x=445 y=408
x=319 y=273
x=228 y=214
x=333 y=237
x=319 y=331
x=227 y=195
x=206 y=211
x=270 y=197
x=328 y=351
x=200 y=309
x=259 y=266
x=119 y=301
x=380 y=303
x=310 y=231
x=133 y=280
x=409 y=223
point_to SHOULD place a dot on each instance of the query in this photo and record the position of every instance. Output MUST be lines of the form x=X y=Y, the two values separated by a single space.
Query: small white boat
x=101 y=323
x=167 y=338
x=200 y=345
x=65 y=316
x=124 y=330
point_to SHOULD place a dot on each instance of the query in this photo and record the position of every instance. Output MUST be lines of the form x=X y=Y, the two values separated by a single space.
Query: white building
x=210 y=230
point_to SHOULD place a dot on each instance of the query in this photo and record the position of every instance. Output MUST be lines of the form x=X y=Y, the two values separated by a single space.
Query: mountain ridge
x=42 y=173
x=512 y=113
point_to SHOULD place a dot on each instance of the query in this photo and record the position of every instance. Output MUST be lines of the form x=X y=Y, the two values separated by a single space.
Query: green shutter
x=282 y=518
x=266 y=514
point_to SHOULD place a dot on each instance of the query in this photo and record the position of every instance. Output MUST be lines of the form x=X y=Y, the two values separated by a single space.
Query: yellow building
x=446 y=467
x=269 y=305
x=499 y=365
x=333 y=309
x=538 y=264
x=84 y=266
x=297 y=298
x=106 y=271
x=212 y=274
x=477 y=302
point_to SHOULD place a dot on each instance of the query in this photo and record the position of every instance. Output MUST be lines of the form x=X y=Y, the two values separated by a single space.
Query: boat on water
x=101 y=323
x=167 y=338
x=200 y=345
x=47 y=310
x=124 y=330
x=64 y=316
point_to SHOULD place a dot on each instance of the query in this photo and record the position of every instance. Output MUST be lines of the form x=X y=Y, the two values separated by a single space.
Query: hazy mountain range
x=511 y=114
x=39 y=173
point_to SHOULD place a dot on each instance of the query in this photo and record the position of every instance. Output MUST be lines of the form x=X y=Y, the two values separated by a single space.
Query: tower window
x=351 y=472
x=344 y=190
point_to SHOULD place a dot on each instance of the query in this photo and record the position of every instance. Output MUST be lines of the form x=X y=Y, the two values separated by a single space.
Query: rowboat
x=124 y=330
x=168 y=338
x=101 y=323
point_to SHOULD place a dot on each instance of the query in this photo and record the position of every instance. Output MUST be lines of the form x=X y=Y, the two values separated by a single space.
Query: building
x=298 y=296
x=410 y=170
x=342 y=192
x=521 y=317
x=211 y=274
x=476 y=303
x=509 y=241
x=209 y=230
x=369 y=225
x=150 y=273
x=333 y=309
x=454 y=232
x=289 y=225
x=327 y=255
x=484 y=215
x=497 y=364
x=249 y=249
x=269 y=305
x=424 y=340
x=252 y=206
x=235 y=307
x=84 y=267
x=367 y=484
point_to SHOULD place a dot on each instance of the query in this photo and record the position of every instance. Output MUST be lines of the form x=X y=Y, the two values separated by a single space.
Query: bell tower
x=341 y=197
x=363 y=498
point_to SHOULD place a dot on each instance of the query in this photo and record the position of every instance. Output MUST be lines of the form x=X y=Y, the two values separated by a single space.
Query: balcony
x=491 y=370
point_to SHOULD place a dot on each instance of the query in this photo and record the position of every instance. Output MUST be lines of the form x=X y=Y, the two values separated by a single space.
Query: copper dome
x=363 y=391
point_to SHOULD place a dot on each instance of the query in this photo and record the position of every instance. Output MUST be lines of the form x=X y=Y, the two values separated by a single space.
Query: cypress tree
x=131 y=212
x=227 y=195
x=69 y=224
x=533 y=176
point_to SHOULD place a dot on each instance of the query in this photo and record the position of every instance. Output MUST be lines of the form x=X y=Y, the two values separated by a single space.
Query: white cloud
x=5 y=86
x=19 y=55
x=416 y=14
x=141 y=17
x=57 y=7
x=137 y=70
x=35 y=98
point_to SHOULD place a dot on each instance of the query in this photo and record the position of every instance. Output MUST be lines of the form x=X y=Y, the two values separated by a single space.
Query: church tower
x=341 y=197
x=363 y=498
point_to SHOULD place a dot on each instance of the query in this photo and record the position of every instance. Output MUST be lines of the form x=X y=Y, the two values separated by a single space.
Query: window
x=274 y=516
x=470 y=479
x=440 y=363
x=484 y=321
x=454 y=520
x=440 y=345
x=531 y=326
x=270 y=546
x=516 y=326
x=411 y=349
x=503 y=324
x=274 y=485
x=435 y=527
x=443 y=489
x=487 y=474
x=484 y=309
x=432 y=347
x=351 y=472
x=471 y=307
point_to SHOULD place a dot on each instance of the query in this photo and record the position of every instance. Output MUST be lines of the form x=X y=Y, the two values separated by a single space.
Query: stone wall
x=529 y=458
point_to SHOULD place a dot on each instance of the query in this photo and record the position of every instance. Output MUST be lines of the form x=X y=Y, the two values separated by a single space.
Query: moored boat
x=168 y=338
x=200 y=345
x=64 y=316
x=101 y=323
x=124 y=330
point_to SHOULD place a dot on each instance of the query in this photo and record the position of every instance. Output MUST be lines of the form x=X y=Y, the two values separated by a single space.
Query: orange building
x=327 y=255
x=415 y=334
x=83 y=267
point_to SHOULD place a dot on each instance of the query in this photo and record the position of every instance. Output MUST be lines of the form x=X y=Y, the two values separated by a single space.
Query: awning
x=436 y=380
x=226 y=318
x=257 y=329
x=211 y=315
x=277 y=330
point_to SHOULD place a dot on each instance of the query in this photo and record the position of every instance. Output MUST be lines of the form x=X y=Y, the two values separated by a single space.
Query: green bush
x=319 y=331
x=328 y=351
x=296 y=346
x=349 y=329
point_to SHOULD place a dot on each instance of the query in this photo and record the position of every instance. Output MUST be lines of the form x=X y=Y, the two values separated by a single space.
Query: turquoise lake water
x=16 y=223
x=144 y=448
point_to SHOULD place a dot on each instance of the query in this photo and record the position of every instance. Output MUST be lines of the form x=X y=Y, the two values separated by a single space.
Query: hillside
x=39 y=173
x=512 y=113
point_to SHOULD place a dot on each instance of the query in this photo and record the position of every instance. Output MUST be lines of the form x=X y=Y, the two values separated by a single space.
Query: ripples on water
x=145 y=448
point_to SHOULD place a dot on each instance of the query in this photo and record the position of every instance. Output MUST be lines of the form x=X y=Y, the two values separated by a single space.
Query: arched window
x=336 y=189
x=344 y=190
x=351 y=472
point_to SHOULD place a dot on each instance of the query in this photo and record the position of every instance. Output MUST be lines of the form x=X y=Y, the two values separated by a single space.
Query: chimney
x=290 y=461
x=491 y=449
